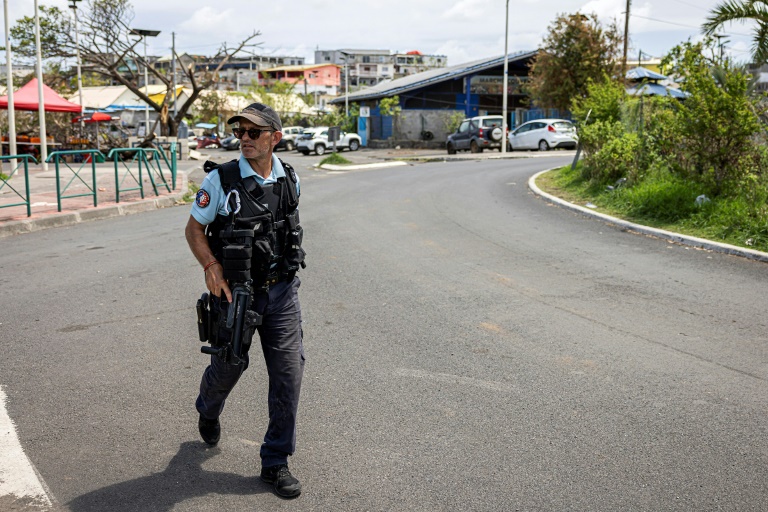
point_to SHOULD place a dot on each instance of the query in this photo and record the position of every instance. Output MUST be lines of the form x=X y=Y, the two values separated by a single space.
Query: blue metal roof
x=418 y=80
x=641 y=73
x=651 y=89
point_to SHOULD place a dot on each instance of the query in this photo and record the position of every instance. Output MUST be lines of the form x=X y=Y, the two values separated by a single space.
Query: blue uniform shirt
x=211 y=199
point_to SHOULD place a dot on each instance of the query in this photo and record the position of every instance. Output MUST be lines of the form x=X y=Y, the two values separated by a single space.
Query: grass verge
x=664 y=201
x=334 y=159
x=191 y=192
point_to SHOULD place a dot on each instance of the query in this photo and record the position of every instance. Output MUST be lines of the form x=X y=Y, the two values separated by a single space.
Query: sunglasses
x=253 y=133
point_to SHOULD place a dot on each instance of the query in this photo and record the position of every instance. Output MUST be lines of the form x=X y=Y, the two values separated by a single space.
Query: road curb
x=332 y=167
x=638 y=228
x=56 y=220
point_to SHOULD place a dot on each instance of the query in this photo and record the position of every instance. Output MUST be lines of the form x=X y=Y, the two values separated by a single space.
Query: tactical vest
x=260 y=239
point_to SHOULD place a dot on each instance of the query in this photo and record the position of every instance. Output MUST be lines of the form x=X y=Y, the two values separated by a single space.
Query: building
x=238 y=72
x=430 y=99
x=323 y=79
x=370 y=67
x=415 y=62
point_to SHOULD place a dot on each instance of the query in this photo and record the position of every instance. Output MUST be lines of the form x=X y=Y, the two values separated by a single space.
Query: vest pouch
x=257 y=223
x=237 y=252
x=294 y=254
x=262 y=254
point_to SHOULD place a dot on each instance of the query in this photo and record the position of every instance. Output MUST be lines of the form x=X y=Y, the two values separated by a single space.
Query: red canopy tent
x=96 y=117
x=26 y=98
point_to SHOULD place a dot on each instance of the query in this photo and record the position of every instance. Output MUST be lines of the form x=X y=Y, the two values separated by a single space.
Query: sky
x=463 y=30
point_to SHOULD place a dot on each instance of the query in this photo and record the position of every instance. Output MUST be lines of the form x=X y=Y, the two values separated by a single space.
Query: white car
x=316 y=139
x=544 y=134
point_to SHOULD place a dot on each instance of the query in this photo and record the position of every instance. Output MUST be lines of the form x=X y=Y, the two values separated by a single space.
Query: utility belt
x=279 y=277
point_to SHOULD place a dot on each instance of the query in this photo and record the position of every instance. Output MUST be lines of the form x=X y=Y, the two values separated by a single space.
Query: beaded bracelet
x=205 y=268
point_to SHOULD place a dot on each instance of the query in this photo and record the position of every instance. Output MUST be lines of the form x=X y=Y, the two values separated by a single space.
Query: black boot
x=285 y=484
x=210 y=430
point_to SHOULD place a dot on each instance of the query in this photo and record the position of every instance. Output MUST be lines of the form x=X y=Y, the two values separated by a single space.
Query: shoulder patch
x=203 y=198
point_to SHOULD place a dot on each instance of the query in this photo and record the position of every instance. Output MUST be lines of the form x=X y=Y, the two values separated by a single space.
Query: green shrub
x=611 y=152
x=192 y=189
x=594 y=135
x=334 y=159
x=716 y=123
x=603 y=101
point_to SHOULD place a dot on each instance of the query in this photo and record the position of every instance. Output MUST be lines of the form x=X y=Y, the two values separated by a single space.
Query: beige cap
x=259 y=114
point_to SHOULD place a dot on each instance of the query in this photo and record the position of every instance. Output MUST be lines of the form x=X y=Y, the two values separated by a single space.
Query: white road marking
x=17 y=476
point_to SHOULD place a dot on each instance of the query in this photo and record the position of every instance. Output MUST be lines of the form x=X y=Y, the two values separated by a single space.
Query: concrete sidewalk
x=43 y=194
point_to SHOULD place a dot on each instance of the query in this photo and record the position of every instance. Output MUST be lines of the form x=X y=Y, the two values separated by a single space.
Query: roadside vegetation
x=192 y=189
x=334 y=159
x=695 y=166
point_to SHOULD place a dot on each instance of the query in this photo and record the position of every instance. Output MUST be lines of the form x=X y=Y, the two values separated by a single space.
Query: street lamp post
x=144 y=34
x=73 y=6
x=506 y=81
x=346 y=83
x=9 y=92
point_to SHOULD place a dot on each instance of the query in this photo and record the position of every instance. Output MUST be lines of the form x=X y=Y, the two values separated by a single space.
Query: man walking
x=258 y=192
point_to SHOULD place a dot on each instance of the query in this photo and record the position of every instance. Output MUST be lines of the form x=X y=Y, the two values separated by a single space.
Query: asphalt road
x=469 y=347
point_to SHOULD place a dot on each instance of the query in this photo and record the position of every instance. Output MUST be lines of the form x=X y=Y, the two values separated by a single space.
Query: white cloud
x=469 y=9
x=209 y=21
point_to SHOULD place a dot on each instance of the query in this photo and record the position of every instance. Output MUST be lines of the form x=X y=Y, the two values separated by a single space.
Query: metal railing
x=56 y=156
x=153 y=166
x=5 y=181
x=153 y=160
x=171 y=148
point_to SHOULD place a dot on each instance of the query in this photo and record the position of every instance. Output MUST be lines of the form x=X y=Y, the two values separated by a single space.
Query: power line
x=691 y=5
x=662 y=21
x=682 y=25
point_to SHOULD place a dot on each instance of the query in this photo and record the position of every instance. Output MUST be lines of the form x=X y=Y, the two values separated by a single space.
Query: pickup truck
x=316 y=139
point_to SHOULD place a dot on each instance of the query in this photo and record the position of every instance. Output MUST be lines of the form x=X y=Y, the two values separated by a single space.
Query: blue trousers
x=281 y=343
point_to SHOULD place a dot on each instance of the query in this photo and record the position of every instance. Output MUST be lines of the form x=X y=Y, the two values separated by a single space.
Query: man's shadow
x=184 y=478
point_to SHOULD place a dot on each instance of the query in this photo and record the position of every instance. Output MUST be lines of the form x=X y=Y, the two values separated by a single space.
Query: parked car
x=208 y=141
x=544 y=134
x=230 y=143
x=476 y=134
x=192 y=142
x=316 y=139
x=290 y=136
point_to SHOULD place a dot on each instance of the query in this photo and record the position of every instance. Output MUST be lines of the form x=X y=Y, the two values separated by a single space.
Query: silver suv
x=316 y=139
x=290 y=136
x=476 y=134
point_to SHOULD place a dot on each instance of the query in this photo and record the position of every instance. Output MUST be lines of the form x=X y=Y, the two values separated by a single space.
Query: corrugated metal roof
x=651 y=89
x=415 y=81
x=640 y=73
x=99 y=97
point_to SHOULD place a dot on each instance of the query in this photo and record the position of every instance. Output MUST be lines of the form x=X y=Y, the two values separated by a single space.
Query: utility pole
x=173 y=67
x=504 y=139
x=720 y=44
x=41 y=99
x=626 y=41
x=73 y=6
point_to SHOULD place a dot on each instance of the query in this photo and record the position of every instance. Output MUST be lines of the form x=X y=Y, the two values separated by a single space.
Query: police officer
x=263 y=184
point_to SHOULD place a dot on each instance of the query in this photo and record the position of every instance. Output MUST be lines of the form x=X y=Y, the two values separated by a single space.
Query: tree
x=107 y=48
x=743 y=11
x=717 y=123
x=576 y=50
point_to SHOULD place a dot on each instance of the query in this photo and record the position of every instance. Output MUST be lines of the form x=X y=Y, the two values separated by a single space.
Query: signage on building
x=488 y=84
x=365 y=111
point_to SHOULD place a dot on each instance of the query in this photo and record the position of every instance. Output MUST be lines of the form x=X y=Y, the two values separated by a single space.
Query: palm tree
x=743 y=11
